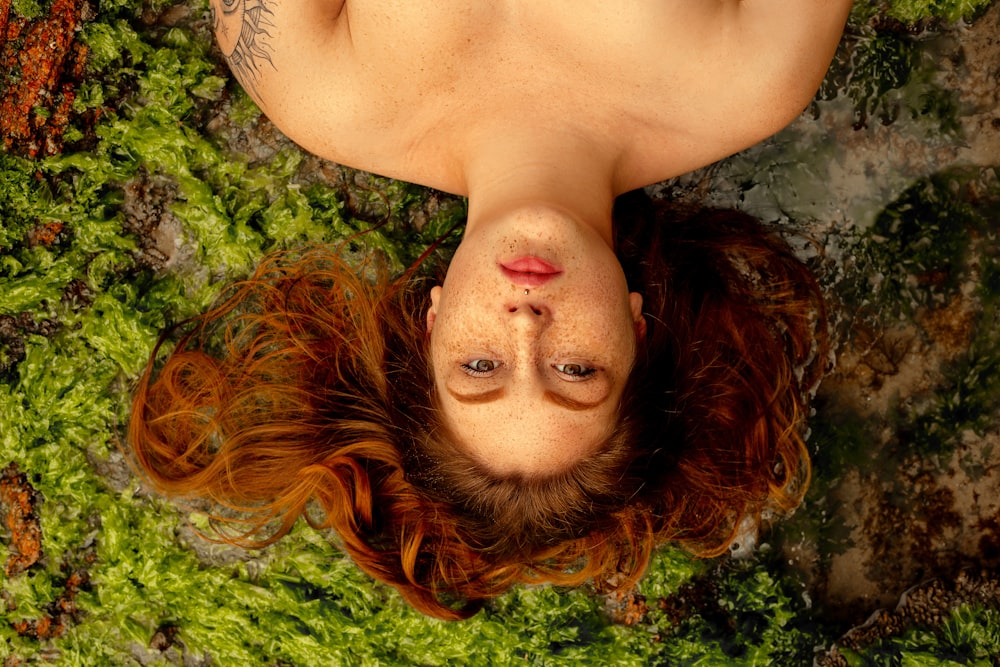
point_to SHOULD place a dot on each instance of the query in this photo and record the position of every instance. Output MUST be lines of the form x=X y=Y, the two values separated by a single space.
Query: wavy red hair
x=307 y=392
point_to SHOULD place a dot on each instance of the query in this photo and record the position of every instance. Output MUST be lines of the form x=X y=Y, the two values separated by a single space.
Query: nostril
x=536 y=311
x=512 y=309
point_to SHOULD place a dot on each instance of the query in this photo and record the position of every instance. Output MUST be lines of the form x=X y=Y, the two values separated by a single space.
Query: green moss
x=970 y=635
x=115 y=48
x=917 y=252
x=971 y=398
x=29 y=9
x=63 y=403
x=921 y=242
x=883 y=64
x=914 y=11
x=924 y=249
x=887 y=72
x=736 y=613
x=243 y=111
x=887 y=61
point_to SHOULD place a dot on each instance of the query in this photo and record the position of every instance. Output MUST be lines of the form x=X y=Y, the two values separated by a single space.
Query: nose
x=527 y=322
x=531 y=311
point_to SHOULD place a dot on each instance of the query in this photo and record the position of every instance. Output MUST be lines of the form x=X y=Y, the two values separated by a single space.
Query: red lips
x=529 y=271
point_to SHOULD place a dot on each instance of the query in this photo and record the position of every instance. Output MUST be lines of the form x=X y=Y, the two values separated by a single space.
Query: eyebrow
x=551 y=396
x=478 y=397
x=573 y=404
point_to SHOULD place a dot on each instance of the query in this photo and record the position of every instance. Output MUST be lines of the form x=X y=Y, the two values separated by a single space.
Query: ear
x=635 y=304
x=432 y=311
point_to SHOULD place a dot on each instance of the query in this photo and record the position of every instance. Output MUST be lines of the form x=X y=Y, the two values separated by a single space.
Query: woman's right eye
x=480 y=366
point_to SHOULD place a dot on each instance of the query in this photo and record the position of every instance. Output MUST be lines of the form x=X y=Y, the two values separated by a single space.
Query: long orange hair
x=307 y=392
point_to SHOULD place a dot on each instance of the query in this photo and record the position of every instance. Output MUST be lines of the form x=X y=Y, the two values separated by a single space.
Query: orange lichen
x=18 y=500
x=45 y=234
x=60 y=614
x=41 y=61
x=627 y=607
x=636 y=611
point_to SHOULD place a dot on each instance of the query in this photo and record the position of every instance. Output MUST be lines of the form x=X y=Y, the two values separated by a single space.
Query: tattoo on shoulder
x=241 y=29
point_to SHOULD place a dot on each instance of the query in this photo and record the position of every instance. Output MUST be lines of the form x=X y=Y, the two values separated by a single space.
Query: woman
x=581 y=385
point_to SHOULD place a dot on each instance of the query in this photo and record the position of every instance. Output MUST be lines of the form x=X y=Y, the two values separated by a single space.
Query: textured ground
x=136 y=178
x=906 y=435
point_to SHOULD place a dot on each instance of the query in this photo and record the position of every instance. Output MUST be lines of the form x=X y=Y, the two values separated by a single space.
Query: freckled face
x=530 y=383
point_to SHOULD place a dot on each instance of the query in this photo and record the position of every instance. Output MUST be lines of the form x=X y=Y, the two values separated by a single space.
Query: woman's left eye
x=480 y=367
x=574 y=371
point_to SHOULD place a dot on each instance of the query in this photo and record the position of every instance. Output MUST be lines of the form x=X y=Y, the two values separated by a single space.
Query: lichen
x=151 y=180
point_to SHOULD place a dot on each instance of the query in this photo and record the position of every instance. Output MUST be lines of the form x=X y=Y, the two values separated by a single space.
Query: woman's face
x=530 y=382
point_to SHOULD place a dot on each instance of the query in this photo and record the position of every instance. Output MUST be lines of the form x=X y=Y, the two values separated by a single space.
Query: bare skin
x=541 y=113
x=437 y=92
x=530 y=375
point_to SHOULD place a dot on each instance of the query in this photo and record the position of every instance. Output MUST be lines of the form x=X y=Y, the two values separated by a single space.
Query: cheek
x=606 y=308
x=458 y=326
x=616 y=333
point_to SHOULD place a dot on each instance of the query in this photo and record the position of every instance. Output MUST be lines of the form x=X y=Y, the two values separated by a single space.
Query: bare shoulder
x=808 y=16
x=774 y=20
x=798 y=36
x=266 y=42
x=758 y=63
x=791 y=42
x=786 y=25
x=297 y=60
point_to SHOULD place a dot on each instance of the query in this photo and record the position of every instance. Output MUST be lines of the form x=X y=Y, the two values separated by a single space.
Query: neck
x=541 y=168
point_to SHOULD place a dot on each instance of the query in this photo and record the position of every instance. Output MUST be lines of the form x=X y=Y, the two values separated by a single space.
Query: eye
x=480 y=367
x=574 y=372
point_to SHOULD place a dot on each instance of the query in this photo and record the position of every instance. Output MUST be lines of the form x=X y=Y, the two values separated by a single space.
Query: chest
x=474 y=55
x=397 y=86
